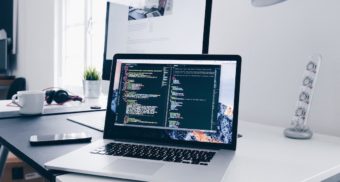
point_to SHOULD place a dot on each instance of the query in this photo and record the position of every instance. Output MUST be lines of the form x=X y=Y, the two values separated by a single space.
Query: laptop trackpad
x=133 y=166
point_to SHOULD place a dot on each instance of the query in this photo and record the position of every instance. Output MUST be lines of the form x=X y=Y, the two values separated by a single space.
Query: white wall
x=275 y=43
x=36 y=43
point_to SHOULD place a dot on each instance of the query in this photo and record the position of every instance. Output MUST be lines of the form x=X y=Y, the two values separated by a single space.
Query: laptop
x=168 y=118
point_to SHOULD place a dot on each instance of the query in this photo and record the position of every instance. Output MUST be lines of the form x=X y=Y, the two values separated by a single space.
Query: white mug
x=30 y=102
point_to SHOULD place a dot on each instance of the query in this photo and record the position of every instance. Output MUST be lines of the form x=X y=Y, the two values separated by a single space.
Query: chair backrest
x=19 y=84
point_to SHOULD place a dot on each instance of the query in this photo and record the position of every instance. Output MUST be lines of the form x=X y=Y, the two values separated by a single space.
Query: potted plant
x=91 y=83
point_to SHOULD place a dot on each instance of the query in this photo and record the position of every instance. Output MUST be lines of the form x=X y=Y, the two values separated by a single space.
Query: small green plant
x=91 y=74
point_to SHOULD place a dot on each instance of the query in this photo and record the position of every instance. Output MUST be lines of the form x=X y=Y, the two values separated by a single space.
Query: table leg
x=3 y=158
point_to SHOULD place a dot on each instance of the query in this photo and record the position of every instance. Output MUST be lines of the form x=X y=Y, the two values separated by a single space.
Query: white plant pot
x=92 y=88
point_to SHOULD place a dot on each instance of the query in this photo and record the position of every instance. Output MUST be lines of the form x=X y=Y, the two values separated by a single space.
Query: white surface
x=264 y=154
x=36 y=43
x=7 y=107
x=275 y=43
x=86 y=178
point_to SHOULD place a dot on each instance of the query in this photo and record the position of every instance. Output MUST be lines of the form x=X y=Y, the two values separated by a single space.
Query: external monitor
x=156 y=26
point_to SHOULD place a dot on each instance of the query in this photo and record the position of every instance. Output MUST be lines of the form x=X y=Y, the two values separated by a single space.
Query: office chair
x=19 y=84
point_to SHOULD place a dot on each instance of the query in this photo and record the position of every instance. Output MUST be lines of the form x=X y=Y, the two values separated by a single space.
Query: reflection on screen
x=183 y=100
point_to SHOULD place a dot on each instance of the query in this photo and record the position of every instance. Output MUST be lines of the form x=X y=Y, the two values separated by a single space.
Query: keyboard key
x=185 y=156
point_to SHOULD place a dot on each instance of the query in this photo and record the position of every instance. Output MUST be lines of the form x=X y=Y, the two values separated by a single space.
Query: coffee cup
x=30 y=102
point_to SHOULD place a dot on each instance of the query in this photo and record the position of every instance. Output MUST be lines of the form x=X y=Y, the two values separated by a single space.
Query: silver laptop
x=168 y=118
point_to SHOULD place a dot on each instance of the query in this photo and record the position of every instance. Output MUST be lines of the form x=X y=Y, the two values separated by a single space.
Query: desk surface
x=15 y=133
x=264 y=154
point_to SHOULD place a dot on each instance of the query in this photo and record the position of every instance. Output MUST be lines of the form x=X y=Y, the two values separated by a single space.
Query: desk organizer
x=299 y=128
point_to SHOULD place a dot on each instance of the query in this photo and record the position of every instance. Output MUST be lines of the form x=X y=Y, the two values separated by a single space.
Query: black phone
x=63 y=138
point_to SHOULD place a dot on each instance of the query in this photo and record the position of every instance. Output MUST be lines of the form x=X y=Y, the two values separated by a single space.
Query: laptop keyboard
x=187 y=156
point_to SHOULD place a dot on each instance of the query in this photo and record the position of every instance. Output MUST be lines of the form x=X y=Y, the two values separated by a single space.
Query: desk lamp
x=262 y=3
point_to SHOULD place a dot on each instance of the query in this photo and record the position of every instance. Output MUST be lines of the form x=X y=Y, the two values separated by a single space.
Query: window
x=82 y=32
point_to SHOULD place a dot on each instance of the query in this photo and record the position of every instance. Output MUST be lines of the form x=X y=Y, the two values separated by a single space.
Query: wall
x=275 y=43
x=36 y=44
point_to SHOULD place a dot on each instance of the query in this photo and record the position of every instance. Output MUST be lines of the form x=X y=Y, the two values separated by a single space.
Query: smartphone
x=64 y=138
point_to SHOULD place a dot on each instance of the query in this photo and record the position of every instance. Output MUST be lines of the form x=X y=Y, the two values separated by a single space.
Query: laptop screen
x=184 y=100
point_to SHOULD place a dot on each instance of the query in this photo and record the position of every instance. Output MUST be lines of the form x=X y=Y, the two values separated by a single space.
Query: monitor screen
x=156 y=26
x=186 y=100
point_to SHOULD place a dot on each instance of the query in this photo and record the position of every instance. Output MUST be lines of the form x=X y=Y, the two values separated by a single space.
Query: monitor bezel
x=149 y=135
x=107 y=63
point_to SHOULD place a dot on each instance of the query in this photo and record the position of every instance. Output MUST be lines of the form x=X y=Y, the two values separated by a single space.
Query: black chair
x=19 y=84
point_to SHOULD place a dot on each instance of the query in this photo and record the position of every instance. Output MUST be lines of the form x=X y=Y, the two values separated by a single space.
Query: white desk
x=9 y=110
x=265 y=155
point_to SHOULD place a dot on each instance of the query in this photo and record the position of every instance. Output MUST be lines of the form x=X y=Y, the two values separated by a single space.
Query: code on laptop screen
x=167 y=96
x=185 y=100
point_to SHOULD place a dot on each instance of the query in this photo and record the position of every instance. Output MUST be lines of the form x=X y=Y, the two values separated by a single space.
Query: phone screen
x=57 y=137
